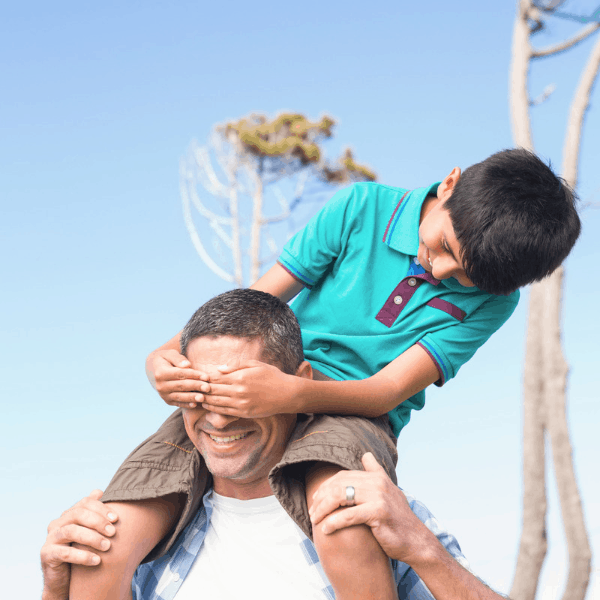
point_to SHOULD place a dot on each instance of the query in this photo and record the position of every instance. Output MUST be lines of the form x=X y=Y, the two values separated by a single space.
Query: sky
x=99 y=103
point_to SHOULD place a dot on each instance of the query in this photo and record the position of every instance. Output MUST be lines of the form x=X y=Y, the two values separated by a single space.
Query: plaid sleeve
x=410 y=585
x=161 y=579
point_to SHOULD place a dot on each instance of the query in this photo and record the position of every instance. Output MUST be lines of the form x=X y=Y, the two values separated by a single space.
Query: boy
x=398 y=289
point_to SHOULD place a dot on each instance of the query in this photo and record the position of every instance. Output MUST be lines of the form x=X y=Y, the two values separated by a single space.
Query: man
x=241 y=541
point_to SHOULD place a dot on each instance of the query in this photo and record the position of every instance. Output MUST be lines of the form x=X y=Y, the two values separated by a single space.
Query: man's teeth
x=231 y=438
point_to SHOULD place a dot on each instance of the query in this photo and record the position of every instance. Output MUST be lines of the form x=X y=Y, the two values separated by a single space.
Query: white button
x=176 y=577
x=398 y=300
x=416 y=261
x=412 y=282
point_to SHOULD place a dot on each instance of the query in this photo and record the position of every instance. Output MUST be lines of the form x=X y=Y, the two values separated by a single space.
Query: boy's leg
x=320 y=446
x=166 y=463
x=353 y=560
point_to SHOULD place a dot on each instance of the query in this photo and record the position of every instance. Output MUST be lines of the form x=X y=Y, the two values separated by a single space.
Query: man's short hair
x=514 y=219
x=250 y=314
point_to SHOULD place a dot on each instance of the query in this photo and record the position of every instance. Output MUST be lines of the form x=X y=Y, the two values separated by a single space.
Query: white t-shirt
x=251 y=550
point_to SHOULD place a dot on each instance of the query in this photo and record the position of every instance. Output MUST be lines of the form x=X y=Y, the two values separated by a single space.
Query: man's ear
x=446 y=188
x=305 y=370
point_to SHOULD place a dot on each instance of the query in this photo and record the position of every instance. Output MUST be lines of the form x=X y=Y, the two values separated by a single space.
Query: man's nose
x=219 y=421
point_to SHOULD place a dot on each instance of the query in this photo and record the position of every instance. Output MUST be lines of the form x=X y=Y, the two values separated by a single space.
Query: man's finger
x=334 y=497
x=53 y=556
x=73 y=533
x=355 y=515
x=95 y=518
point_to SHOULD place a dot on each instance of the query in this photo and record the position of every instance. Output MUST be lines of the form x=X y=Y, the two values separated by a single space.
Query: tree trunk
x=256 y=227
x=533 y=543
x=580 y=553
x=545 y=370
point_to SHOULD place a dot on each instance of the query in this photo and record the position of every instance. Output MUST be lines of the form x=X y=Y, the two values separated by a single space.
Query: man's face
x=439 y=250
x=238 y=452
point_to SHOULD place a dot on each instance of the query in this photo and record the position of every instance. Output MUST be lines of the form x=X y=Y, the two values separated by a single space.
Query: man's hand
x=251 y=390
x=90 y=523
x=379 y=504
x=170 y=374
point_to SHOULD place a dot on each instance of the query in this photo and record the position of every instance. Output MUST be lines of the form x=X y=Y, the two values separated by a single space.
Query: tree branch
x=285 y=209
x=189 y=223
x=211 y=183
x=579 y=106
x=556 y=48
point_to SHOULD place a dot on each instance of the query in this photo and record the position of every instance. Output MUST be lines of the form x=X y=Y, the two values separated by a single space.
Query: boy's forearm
x=410 y=373
x=364 y=398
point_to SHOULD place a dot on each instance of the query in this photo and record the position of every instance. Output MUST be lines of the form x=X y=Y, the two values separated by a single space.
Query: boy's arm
x=140 y=527
x=251 y=389
x=169 y=371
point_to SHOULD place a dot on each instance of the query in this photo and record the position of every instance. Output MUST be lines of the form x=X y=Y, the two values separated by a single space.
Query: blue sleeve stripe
x=294 y=272
x=429 y=348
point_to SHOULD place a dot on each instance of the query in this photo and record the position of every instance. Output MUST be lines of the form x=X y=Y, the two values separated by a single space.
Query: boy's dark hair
x=250 y=314
x=514 y=219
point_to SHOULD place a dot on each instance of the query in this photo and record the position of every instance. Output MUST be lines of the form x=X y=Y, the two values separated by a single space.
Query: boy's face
x=439 y=250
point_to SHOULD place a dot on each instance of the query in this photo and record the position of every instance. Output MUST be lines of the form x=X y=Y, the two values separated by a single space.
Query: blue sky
x=100 y=101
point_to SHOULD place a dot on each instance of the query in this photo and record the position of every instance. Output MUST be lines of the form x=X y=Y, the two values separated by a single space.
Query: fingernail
x=110 y=529
x=95 y=559
x=192 y=405
x=111 y=516
x=325 y=529
x=198 y=398
x=104 y=544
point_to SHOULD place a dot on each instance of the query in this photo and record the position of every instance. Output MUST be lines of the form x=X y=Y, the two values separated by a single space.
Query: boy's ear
x=305 y=370
x=446 y=188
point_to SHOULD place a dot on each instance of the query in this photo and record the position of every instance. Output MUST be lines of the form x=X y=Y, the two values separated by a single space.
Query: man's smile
x=229 y=438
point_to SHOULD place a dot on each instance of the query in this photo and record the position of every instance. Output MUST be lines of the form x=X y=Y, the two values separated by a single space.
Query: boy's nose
x=442 y=268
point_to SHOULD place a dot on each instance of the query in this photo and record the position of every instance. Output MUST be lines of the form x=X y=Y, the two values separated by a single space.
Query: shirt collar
x=402 y=231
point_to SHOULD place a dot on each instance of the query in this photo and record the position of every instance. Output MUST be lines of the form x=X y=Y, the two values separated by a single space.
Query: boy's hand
x=177 y=384
x=251 y=389
x=89 y=522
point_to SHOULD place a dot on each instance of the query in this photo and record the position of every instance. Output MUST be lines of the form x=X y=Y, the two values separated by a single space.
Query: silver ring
x=350 y=494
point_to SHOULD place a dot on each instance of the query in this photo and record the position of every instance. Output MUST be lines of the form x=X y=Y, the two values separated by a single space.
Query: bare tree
x=255 y=174
x=545 y=371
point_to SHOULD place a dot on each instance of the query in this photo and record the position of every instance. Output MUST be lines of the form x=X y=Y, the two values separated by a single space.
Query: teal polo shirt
x=360 y=308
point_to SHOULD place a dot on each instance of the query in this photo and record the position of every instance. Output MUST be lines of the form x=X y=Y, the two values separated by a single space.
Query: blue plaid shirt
x=162 y=578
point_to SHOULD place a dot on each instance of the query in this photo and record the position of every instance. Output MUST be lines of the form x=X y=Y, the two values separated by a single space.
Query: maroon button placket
x=401 y=295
